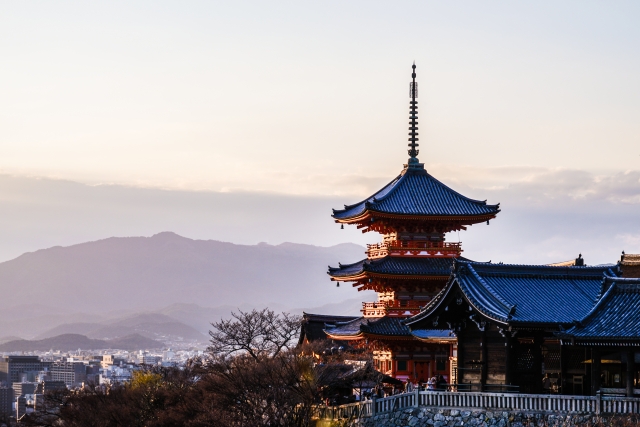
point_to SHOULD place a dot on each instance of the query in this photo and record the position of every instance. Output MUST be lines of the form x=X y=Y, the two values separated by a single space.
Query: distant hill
x=150 y=325
x=143 y=273
x=9 y=338
x=91 y=288
x=69 y=342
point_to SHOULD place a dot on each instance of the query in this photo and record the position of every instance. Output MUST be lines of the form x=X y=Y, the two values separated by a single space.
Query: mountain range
x=70 y=342
x=165 y=286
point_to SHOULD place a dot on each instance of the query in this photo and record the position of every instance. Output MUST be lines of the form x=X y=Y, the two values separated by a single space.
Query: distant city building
x=6 y=400
x=145 y=358
x=107 y=360
x=115 y=375
x=20 y=389
x=168 y=355
x=12 y=367
x=21 y=407
x=93 y=370
x=71 y=373
x=48 y=386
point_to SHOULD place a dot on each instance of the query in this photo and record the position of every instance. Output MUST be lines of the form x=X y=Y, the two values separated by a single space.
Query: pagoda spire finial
x=413 y=116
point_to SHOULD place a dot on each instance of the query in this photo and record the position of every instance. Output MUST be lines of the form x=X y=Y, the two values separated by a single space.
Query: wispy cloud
x=547 y=215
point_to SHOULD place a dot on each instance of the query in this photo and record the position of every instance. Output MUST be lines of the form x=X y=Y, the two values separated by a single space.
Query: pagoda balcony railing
x=413 y=248
x=393 y=308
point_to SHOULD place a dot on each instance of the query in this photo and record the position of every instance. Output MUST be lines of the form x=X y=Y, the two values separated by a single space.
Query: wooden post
x=460 y=363
x=507 y=361
x=484 y=367
x=373 y=404
x=417 y=396
x=537 y=363
x=595 y=370
x=631 y=369
x=563 y=367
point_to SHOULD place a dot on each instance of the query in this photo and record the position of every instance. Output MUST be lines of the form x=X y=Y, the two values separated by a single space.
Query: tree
x=254 y=376
x=256 y=333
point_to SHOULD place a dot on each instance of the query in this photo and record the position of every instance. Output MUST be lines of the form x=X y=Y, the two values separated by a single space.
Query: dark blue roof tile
x=615 y=317
x=346 y=329
x=415 y=192
x=433 y=334
x=388 y=326
x=524 y=293
x=418 y=266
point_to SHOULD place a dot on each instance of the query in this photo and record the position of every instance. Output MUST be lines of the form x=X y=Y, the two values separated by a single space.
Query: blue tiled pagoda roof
x=615 y=317
x=386 y=326
x=523 y=293
x=416 y=193
x=419 y=266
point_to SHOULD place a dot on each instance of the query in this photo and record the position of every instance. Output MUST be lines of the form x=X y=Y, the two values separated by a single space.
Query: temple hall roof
x=386 y=327
x=313 y=325
x=522 y=293
x=419 y=266
x=382 y=326
x=616 y=316
x=416 y=193
x=345 y=330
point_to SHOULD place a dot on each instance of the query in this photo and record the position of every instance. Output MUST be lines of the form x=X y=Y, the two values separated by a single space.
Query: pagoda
x=408 y=267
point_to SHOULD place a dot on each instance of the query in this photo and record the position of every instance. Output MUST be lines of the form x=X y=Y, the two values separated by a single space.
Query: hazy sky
x=532 y=104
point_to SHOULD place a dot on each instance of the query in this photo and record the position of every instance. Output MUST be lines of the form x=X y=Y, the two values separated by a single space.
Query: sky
x=248 y=121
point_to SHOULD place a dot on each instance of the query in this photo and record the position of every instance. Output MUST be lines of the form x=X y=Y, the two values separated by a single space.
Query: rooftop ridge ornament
x=413 y=124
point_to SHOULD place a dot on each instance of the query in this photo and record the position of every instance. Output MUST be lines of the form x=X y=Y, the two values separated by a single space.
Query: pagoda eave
x=364 y=219
x=345 y=337
x=437 y=340
x=388 y=337
x=366 y=275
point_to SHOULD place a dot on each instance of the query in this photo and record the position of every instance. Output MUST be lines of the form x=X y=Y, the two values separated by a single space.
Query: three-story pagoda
x=409 y=266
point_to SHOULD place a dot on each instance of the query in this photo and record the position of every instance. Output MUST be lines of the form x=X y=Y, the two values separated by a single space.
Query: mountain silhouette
x=70 y=342
x=147 y=273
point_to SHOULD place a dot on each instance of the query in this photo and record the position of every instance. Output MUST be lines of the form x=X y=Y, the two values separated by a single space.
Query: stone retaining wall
x=430 y=417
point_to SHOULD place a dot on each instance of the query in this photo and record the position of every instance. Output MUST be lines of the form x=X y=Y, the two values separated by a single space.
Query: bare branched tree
x=256 y=333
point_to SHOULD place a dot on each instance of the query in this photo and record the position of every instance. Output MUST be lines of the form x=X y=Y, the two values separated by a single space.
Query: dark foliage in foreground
x=252 y=377
x=234 y=392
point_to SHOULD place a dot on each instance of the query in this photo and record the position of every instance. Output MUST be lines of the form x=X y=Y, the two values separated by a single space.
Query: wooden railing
x=392 y=308
x=377 y=250
x=495 y=401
